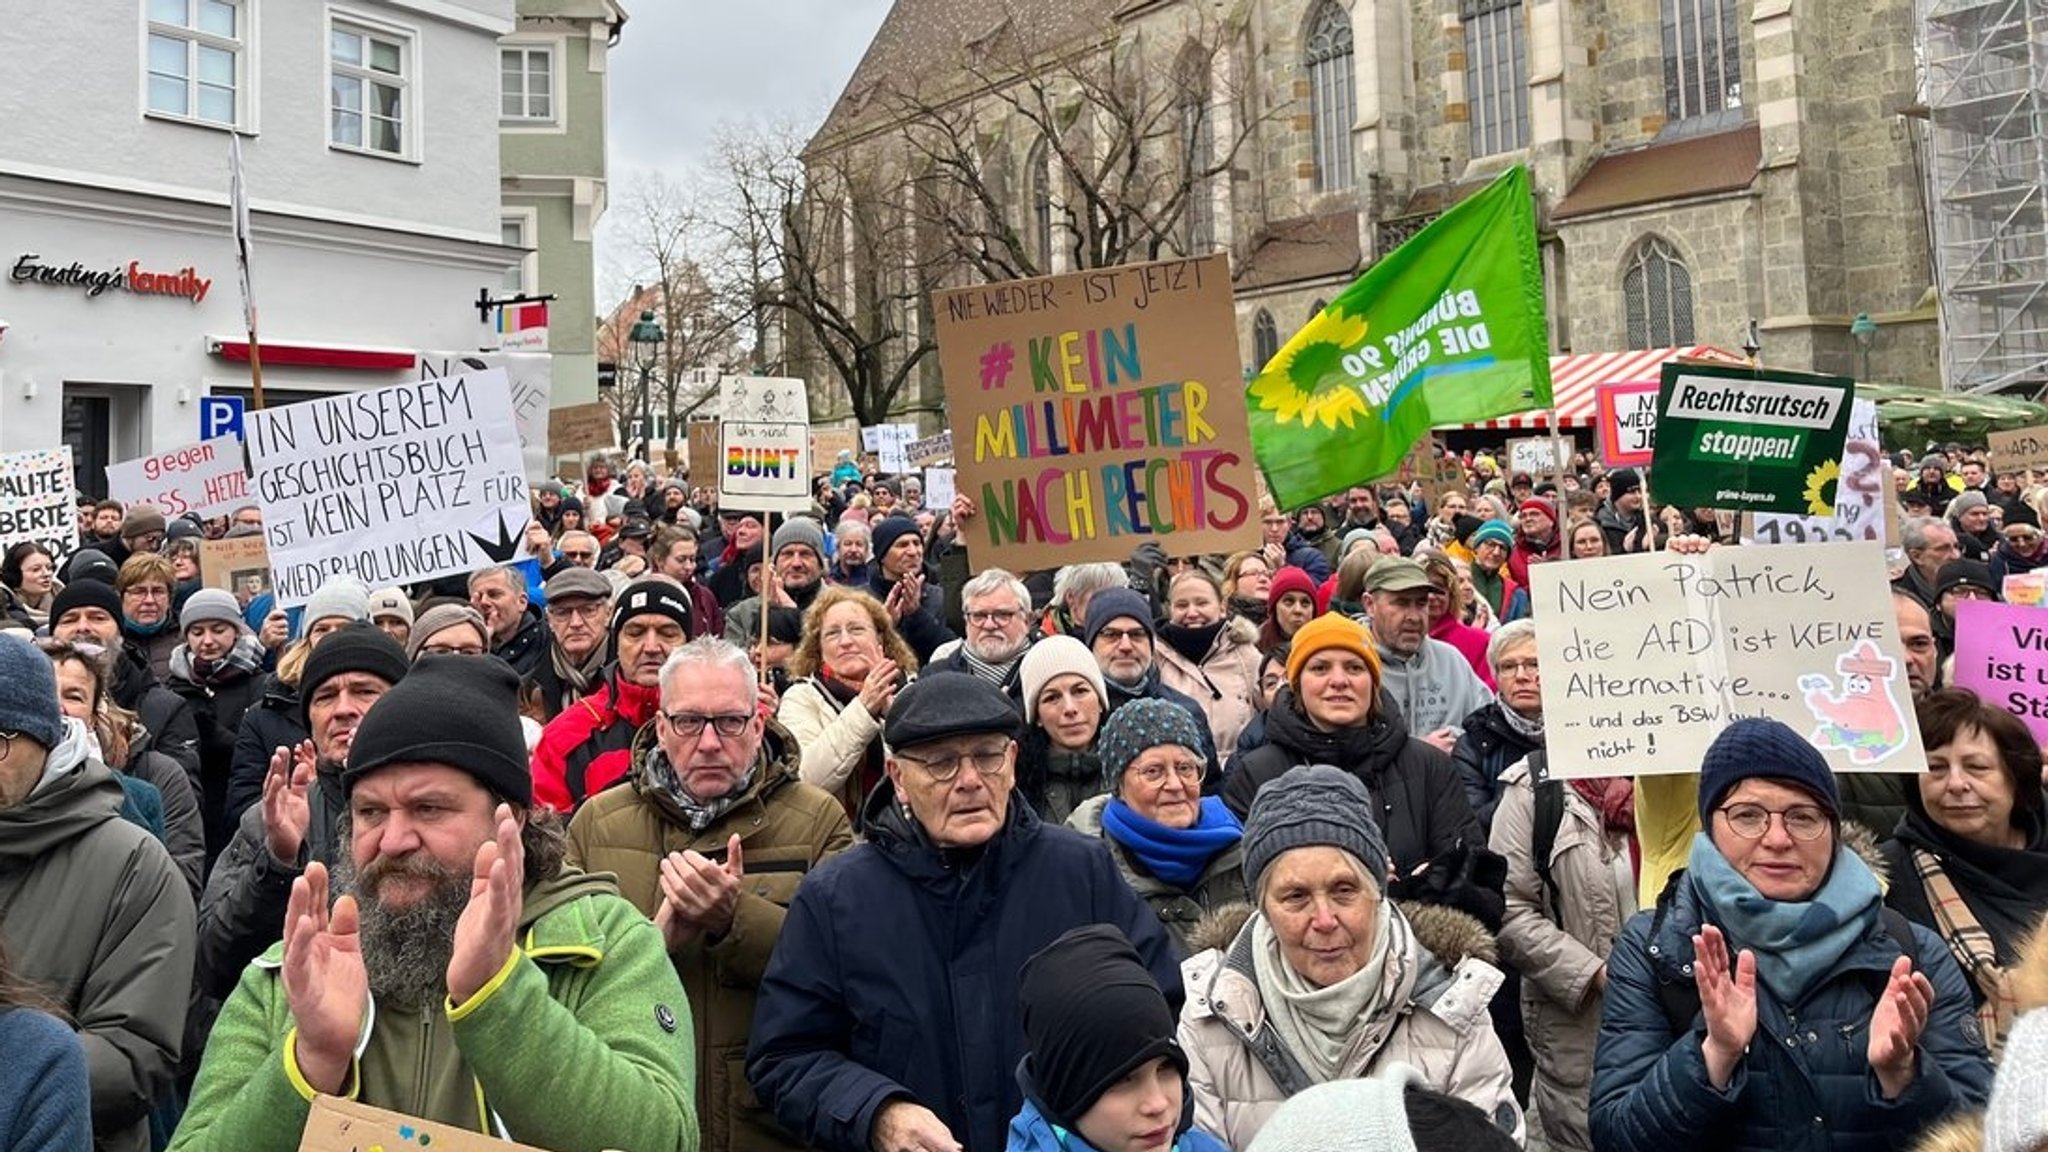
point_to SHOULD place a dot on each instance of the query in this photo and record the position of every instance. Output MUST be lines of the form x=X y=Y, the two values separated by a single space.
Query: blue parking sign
x=220 y=416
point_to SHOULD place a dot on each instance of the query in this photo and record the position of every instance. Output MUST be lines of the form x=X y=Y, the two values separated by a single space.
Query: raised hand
x=1727 y=1001
x=700 y=895
x=325 y=983
x=878 y=691
x=497 y=892
x=1896 y=1025
x=287 y=814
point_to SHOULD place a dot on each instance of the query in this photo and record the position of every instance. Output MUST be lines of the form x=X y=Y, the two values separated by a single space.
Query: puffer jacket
x=1224 y=685
x=1805 y=1084
x=242 y=910
x=98 y=919
x=589 y=748
x=1180 y=910
x=1559 y=963
x=272 y=722
x=1488 y=747
x=786 y=828
x=184 y=828
x=1240 y=1074
x=217 y=709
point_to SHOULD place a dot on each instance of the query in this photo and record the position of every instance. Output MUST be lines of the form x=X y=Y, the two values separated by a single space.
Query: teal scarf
x=1796 y=943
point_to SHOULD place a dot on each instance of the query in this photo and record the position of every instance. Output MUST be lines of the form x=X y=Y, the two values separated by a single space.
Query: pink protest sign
x=2002 y=655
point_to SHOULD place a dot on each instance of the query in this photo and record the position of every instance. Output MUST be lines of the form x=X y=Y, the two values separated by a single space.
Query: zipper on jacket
x=420 y=1062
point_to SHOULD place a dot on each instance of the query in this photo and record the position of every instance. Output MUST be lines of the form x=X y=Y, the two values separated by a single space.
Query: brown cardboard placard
x=240 y=565
x=2019 y=448
x=580 y=428
x=828 y=443
x=1097 y=411
x=336 y=1125
x=704 y=454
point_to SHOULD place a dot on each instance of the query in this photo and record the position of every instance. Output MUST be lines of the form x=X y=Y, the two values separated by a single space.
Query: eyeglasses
x=1966 y=592
x=2023 y=537
x=452 y=650
x=578 y=554
x=588 y=610
x=846 y=632
x=994 y=616
x=1117 y=636
x=149 y=592
x=986 y=762
x=1752 y=821
x=689 y=725
x=1271 y=683
x=1153 y=775
x=1507 y=668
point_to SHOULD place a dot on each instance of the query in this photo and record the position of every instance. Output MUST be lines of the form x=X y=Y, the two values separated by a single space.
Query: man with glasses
x=1930 y=543
x=1120 y=633
x=588 y=748
x=1429 y=682
x=998 y=617
x=710 y=839
x=578 y=549
x=579 y=603
x=142 y=530
x=1959 y=580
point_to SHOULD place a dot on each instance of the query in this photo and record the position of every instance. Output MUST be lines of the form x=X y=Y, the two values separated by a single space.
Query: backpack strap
x=1548 y=818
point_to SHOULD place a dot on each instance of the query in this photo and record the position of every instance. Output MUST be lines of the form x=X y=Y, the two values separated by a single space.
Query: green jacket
x=583 y=1041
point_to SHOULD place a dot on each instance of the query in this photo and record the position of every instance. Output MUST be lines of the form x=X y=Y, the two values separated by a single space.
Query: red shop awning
x=1575 y=382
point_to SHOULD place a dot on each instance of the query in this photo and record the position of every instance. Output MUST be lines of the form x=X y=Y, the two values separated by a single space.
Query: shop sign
x=132 y=277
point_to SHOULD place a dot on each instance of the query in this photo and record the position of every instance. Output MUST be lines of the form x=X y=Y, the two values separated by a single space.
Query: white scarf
x=1324 y=1027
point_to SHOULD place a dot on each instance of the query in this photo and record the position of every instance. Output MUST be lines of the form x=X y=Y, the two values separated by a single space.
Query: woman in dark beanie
x=1970 y=858
x=1770 y=1001
x=1176 y=848
x=1104 y=1073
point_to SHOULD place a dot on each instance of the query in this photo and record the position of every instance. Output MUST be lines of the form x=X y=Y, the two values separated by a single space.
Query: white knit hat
x=1368 y=1115
x=2017 y=1120
x=1056 y=656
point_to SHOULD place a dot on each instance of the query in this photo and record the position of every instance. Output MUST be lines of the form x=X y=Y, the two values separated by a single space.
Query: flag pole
x=1556 y=458
x=238 y=218
x=767 y=583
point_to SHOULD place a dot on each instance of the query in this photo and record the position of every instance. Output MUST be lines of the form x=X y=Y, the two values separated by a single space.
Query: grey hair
x=706 y=652
x=1509 y=635
x=577 y=534
x=513 y=577
x=848 y=529
x=1913 y=533
x=1087 y=579
x=994 y=580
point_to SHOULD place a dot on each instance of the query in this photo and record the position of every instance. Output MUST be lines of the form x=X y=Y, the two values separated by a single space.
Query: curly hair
x=809 y=658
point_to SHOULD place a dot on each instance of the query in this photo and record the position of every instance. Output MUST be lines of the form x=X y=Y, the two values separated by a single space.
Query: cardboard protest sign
x=1537 y=456
x=336 y=1125
x=2020 y=448
x=205 y=478
x=1646 y=658
x=1858 y=488
x=579 y=428
x=2027 y=589
x=1099 y=410
x=2002 y=655
x=393 y=486
x=36 y=500
x=930 y=450
x=531 y=378
x=939 y=487
x=828 y=443
x=240 y=565
x=1627 y=423
x=703 y=453
x=1756 y=439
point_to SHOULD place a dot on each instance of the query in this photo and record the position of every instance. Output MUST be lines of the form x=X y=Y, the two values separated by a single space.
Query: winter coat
x=1306 y=556
x=1180 y=910
x=1153 y=688
x=242 y=910
x=1225 y=685
x=271 y=723
x=706 y=617
x=1423 y=810
x=896 y=974
x=1435 y=688
x=1805 y=1083
x=2006 y=562
x=786 y=828
x=167 y=715
x=1054 y=782
x=581 y=1042
x=1470 y=642
x=1030 y=1131
x=45 y=1092
x=1527 y=552
x=2005 y=890
x=1487 y=749
x=589 y=748
x=1616 y=526
x=218 y=709
x=99 y=920
x=833 y=740
x=1559 y=945
x=528 y=646
x=925 y=629
x=184 y=827
x=1240 y=1074
x=155 y=649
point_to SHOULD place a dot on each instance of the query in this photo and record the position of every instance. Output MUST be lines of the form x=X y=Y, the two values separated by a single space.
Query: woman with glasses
x=2019 y=551
x=1177 y=849
x=1208 y=657
x=847 y=669
x=148 y=623
x=1246 y=577
x=1770 y=1000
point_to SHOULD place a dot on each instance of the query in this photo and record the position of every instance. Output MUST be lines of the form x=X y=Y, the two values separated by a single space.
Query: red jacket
x=588 y=748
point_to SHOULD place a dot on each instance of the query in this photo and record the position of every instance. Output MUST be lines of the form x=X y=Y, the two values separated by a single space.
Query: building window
x=1332 y=99
x=369 y=89
x=526 y=84
x=1265 y=340
x=1657 y=292
x=513 y=232
x=1038 y=170
x=1702 y=58
x=195 y=59
x=1496 y=75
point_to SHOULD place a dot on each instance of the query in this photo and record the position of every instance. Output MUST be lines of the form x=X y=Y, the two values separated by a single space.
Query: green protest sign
x=1760 y=439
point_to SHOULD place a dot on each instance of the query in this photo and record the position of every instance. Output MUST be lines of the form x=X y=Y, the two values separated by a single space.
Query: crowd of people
x=692 y=828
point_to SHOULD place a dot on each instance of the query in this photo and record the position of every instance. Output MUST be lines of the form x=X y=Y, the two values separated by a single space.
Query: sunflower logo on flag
x=1820 y=488
x=1307 y=383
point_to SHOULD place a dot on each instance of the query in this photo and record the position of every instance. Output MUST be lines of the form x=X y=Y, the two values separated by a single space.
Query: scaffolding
x=1986 y=83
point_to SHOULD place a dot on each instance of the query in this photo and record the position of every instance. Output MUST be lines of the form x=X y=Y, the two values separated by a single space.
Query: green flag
x=1446 y=329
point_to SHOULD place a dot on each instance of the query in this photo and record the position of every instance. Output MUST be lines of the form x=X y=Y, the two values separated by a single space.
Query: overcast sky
x=683 y=67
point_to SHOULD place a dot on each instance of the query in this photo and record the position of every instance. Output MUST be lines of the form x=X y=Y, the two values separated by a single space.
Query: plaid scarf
x=1972 y=947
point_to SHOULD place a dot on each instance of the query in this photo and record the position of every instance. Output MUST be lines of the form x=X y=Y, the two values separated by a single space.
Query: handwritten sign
x=392 y=486
x=240 y=565
x=939 y=488
x=1537 y=456
x=2020 y=448
x=2002 y=655
x=892 y=444
x=1094 y=411
x=531 y=378
x=2028 y=589
x=36 y=500
x=206 y=478
x=1646 y=658
x=828 y=443
x=765 y=466
x=578 y=428
x=1628 y=423
x=1859 y=488
x=930 y=450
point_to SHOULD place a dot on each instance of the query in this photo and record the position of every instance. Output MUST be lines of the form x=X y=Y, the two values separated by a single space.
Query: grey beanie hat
x=798 y=530
x=1312 y=805
x=1965 y=500
x=343 y=596
x=2017 y=1119
x=1364 y=1114
x=211 y=604
x=440 y=618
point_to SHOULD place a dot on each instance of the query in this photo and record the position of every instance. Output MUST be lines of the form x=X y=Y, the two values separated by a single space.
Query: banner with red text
x=206 y=478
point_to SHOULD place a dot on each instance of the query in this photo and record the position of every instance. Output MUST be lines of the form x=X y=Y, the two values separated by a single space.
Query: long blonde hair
x=809 y=659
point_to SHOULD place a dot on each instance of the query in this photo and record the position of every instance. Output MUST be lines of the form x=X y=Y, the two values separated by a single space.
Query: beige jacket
x=1225 y=685
x=833 y=739
x=1560 y=1009
x=1440 y=1028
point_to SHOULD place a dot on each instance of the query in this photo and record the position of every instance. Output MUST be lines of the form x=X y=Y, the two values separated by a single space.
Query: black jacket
x=241 y=912
x=528 y=646
x=172 y=729
x=272 y=722
x=1489 y=747
x=218 y=710
x=925 y=629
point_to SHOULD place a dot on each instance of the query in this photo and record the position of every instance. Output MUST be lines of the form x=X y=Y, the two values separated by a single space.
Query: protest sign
x=765 y=465
x=579 y=428
x=870 y=438
x=1097 y=410
x=892 y=443
x=2027 y=589
x=1858 y=488
x=930 y=450
x=36 y=500
x=2002 y=655
x=205 y=478
x=240 y=565
x=939 y=488
x=1755 y=439
x=828 y=443
x=393 y=486
x=529 y=375
x=1539 y=457
x=2020 y=448
x=764 y=399
x=1646 y=658
x=337 y=1125
x=1628 y=423
x=703 y=453
x=1425 y=469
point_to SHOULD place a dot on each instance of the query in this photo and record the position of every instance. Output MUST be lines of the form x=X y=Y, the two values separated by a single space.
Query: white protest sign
x=393 y=486
x=36 y=500
x=892 y=442
x=764 y=400
x=530 y=375
x=939 y=488
x=205 y=478
x=764 y=467
x=870 y=438
x=1646 y=658
x=1858 y=489
x=1538 y=456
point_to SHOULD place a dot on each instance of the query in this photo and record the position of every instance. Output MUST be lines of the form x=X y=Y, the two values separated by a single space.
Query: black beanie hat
x=85 y=594
x=357 y=647
x=462 y=711
x=1092 y=1013
x=651 y=597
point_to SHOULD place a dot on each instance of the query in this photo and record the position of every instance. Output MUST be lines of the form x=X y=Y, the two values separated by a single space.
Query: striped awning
x=1575 y=382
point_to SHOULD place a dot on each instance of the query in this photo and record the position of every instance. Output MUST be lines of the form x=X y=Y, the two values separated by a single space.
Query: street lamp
x=1864 y=329
x=646 y=341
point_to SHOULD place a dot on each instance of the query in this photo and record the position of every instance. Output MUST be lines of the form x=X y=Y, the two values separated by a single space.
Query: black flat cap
x=943 y=704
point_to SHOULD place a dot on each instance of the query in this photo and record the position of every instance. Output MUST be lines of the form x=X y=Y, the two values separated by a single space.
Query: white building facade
x=370 y=152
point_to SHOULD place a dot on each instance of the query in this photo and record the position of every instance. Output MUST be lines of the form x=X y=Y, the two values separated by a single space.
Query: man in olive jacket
x=710 y=837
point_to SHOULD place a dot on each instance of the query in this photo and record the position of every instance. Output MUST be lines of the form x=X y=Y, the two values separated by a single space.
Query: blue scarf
x=1175 y=855
x=1796 y=943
